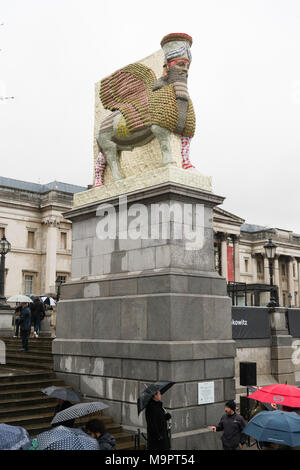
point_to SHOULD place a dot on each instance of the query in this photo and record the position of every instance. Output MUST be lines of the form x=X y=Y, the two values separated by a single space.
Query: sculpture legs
x=99 y=170
x=163 y=137
x=185 y=152
x=108 y=148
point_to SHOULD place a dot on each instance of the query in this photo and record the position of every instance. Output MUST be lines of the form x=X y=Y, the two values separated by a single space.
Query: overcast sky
x=244 y=82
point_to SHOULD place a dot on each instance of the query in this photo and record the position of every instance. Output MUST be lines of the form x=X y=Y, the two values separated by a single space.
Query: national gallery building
x=240 y=257
x=31 y=217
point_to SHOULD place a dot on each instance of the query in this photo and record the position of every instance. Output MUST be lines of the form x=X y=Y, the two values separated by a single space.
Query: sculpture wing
x=128 y=90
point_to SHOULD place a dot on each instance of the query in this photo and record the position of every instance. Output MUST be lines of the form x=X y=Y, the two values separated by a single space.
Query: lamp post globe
x=270 y=249
x=5 y=246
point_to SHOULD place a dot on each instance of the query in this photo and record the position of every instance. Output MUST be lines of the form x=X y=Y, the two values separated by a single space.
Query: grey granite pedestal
x=142 y=310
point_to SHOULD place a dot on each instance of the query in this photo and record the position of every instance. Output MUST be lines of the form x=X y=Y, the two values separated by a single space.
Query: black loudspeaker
x=247 y=373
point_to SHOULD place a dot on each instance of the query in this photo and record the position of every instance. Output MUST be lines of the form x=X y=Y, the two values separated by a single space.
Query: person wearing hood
x=95 y=428
x=157 y=427
x=232 y=426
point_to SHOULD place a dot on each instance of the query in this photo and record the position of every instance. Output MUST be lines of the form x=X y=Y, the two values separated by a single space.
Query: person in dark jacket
x=96 y=429
x=37 y=314
x=25 y=325
x=17 y=320
x=232 y=424
x=156 y=418
x=63 y=405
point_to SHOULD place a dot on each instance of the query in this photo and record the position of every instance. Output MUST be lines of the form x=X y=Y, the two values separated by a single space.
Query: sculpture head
x=177 y=50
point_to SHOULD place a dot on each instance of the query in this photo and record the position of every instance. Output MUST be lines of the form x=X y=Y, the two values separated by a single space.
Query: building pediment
x=220 y=215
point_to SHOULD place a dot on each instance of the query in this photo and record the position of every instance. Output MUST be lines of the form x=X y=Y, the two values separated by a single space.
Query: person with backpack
x=37 y=314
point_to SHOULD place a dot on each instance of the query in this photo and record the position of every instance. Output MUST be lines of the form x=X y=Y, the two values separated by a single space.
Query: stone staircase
x=21 y=401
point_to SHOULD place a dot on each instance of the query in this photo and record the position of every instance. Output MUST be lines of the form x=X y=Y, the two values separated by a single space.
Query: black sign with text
x=294 y=322
x=250 y=323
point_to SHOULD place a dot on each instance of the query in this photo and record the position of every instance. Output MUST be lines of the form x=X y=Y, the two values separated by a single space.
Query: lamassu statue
x=143 y=107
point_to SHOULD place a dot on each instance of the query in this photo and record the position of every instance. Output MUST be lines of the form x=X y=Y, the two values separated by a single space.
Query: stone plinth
x=6 y=318
x=141 y=310
x=282 y=367
x=45 y=327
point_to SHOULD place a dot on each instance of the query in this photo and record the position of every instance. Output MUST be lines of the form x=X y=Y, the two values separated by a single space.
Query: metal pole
x=2 y=278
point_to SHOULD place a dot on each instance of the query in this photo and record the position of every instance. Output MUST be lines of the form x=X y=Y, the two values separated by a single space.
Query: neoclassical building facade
x=41 y=238
x=241 y=258
x=31 y=216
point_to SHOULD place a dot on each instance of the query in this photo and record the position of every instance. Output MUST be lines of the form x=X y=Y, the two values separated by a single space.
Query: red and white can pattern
x=99 y=170
x=185 y=152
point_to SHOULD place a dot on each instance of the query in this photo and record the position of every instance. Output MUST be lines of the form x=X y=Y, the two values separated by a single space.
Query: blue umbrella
x=13 y=437
x=280 y=427
x=63 y=438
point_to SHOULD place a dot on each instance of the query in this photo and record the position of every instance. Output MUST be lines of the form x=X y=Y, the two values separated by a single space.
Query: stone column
x=236 y=251
x=51 y=224
x=224 y=263
x=298 y=266
x=276 y=272
x=291 y=281
x=254 y=268
x=282 y=367
x=266 y=270
x=276 y=276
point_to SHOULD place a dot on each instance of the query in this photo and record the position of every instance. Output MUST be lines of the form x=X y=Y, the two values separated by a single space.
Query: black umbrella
x=148 y=393
x=62 y=393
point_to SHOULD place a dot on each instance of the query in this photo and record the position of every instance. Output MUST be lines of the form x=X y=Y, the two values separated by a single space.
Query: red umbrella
x=281 y=394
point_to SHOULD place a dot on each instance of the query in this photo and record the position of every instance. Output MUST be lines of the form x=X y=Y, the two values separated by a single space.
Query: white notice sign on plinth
x=206 y=393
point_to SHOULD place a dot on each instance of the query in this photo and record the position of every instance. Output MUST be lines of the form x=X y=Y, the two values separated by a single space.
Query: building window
x=284 y=300
x=61 y=279
x=30 y=239
x=28 y=284
x=2 y=231
x=259 y=267
x=283 y=269
x=63 y=240
x=246 y=265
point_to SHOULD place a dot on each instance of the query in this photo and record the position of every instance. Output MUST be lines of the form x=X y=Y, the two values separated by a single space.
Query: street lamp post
x=5 y=247
x=270 y=250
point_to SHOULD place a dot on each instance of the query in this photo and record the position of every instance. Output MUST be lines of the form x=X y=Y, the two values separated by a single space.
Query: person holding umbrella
x=64 y=397
x=156 y=418
x=37 y=314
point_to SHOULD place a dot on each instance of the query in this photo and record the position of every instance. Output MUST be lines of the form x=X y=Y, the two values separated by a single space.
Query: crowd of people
x=26 y=316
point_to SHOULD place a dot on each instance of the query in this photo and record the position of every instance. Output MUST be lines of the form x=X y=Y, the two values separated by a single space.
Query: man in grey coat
x=232 y=424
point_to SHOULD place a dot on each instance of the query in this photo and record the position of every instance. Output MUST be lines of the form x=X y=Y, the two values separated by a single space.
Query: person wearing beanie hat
x=231 y=404
x=232 y=426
